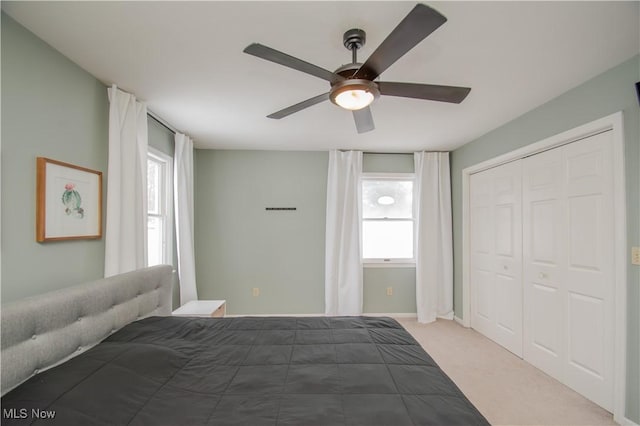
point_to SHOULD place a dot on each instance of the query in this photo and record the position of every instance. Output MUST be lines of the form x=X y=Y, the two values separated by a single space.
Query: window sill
x=396 y=264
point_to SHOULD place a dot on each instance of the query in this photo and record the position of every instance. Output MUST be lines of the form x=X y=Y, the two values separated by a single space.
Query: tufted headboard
x=42 y=331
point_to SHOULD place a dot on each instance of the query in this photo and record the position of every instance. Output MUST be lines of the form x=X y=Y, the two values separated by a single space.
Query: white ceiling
x=185 y=60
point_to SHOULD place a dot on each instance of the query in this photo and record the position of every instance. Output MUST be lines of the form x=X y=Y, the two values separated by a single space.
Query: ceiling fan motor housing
x=346 y=71
x=353 y=40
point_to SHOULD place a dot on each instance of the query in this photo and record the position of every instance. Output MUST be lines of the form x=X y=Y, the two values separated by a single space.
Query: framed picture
x=68 y=203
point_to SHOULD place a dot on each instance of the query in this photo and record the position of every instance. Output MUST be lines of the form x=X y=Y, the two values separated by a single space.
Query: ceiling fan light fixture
x=354 y=99
x=354 y=94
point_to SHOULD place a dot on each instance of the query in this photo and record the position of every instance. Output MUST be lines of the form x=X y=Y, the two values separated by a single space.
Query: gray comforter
x=246 y=371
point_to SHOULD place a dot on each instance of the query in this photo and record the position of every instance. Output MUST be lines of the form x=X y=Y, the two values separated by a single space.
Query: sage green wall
x=387 y=163
x=605 y=94
x=403 y=282
x=240 y=246
x=50 y=108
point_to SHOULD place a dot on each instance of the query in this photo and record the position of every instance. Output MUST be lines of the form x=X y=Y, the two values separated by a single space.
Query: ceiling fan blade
x=414 y=28
x=278 y=57
x=299 y=106
x=364 y=120
x=430 y=92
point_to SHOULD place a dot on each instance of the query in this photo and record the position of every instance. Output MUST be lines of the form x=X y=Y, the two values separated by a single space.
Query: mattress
x=246 y=371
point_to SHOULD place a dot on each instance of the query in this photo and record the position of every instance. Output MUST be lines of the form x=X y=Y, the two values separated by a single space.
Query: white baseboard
x=626 y=422
x=366 y=314
x=458 y=320
x=273 y=315
x=393 y=315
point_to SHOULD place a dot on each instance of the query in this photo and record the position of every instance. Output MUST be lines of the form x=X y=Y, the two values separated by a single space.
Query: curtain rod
x=162 y=122
x=388 y=153
x=397 y=153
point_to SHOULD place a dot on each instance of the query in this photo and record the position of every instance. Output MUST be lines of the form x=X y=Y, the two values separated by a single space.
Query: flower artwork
x=72 y=201
x=68 y=201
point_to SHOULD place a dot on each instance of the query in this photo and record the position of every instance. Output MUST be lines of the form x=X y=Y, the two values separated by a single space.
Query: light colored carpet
x=506 y=389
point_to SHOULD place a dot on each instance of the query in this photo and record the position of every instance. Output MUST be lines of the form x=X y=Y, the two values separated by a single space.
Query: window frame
x=390 y=262
x=166 y=202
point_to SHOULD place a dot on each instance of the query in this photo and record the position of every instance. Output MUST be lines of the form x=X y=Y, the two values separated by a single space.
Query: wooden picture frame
x=68 y=201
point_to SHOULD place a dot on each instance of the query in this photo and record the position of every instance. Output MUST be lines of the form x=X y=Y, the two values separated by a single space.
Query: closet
x=541 y=262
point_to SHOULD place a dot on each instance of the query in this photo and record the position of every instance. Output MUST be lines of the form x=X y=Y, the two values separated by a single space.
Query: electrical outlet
x=389 y=291
x=635 y=255
x=255 y=292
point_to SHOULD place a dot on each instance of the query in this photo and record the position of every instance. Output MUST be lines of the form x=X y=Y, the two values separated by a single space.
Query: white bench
x=202 y=308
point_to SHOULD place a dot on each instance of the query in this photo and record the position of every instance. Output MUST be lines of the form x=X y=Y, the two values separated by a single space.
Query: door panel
x=543 y=231
x=507 y=216
x=482 y=233
x=590 y=324
x=584 y=231
x=504 y=230
x=496 y=255
x=485 y=290
x=586 y=350
x=567 y=265
x=543 y=257
x=544 y=311
x=506 y=292
x=482 y=248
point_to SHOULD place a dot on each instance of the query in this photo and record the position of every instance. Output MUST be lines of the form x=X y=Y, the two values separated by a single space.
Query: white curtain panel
x=434 y=243
x=126 y=223
x=343 y=264
x=183 y=199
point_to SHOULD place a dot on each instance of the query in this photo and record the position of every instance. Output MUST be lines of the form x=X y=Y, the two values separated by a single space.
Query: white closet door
x=544 y=259
x=496 y=254
x=590 y=248
x=568 y=265
x=482 y=253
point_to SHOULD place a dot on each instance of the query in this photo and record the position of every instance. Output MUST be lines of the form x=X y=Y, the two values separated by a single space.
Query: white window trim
x=167 y=201
x=392 y=262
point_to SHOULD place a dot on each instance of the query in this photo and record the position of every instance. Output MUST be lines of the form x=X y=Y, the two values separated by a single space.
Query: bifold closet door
x=568 y=260
x=544 y=260
x=496 y=254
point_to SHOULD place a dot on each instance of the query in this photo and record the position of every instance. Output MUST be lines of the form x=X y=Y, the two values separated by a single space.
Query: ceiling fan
x=354 y=86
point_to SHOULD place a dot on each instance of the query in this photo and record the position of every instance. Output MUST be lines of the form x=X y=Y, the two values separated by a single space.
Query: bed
x=163 y=370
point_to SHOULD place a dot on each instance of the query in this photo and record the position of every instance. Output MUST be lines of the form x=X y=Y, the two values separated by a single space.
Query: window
x=387 y=218
x=159 y=208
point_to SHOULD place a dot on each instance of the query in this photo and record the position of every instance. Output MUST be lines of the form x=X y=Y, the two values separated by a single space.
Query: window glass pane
x=159 y=221
x=387 y=198
x=155 y=249
x=153 y=186
x=383 y=239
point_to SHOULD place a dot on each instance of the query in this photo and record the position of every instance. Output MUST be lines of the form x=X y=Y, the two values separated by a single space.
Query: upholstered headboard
x=42 y=331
